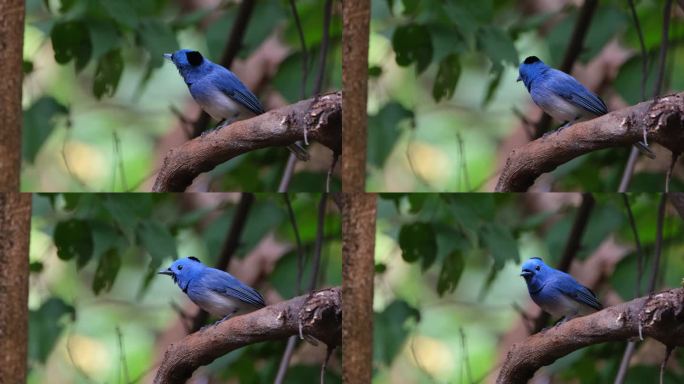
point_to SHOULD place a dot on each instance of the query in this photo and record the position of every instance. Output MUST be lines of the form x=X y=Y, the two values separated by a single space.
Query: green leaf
x=412 y=44
x=121 y=11
x=74 y=239
x=501 y=244
x=375 y=71
x=451 y=272
x=107 y=269
x=108 y=74
x=493 y=85
x=157 y=241
x=418 y=241
x=383 y=131
x=105 y=37
x=389 y=330
x=447 y=78
x=45 y=327
x=38 y=124
x=157 y=38
x=497 y=45
x=26 y=66
x=71 y=41
x=36 y=267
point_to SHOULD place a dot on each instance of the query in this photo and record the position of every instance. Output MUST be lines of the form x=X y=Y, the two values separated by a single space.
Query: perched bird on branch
x=215 y=291
x=563 y=97
x=219 y=92
x=557 y=292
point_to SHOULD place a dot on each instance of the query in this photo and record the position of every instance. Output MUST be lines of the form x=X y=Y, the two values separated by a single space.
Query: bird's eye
x=537 y=267
x=180 y=267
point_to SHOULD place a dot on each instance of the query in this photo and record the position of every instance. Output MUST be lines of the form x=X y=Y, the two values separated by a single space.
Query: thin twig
x=658 y=243
x=325 y=362
x=668 y=352
x=302 y=43
x=336 y=156
x=287 y=173
x=122 y=353
x=119 y=156
x=668 y=175
x=325 y=43
x=285 y=360
x=464 y=349
x=320 y=229
x=633 y=155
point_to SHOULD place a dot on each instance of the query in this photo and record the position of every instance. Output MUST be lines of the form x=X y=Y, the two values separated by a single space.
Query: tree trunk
x=11 y=45
x=356 y=18
x=358 y=238
x=15 y=223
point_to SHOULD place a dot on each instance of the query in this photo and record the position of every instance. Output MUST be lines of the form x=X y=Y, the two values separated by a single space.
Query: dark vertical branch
x=320 y=230
x=659 y=243
x=572 y=52
x=631 y=345
x=356 y=19
x=230 y=245
x=633 y=155
x=358 y=239
x=15 y=227
x=662 y=54
x=642 y=45
x=325 y=42
x=233 y=46
x=302 y=43
x=11 y=43
x=572 y=246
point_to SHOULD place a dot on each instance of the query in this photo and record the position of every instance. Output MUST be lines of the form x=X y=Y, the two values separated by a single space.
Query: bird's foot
x=560 y=321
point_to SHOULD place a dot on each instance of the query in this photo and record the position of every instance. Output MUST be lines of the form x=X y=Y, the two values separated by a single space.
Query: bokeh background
x=102 y=107
x=99 y=313
x=449 y=300
x=445 y=109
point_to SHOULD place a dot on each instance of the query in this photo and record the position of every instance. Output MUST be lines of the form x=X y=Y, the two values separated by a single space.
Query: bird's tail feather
x=299 y=151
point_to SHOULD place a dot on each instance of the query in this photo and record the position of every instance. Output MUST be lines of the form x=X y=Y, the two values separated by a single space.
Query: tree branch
x=660 y=316
x=356 y=20
x=319 y=315
x=663 y=120
x=321 y=117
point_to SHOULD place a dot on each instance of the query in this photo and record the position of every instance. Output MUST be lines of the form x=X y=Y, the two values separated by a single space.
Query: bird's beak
x=526 y=274
x=168 y=56
x=166 y=272
x=519 y=78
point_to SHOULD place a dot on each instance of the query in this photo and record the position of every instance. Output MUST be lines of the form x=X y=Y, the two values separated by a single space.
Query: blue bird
x=562 y=96
x=213 y=290
x=219 y=92
x=557 y=292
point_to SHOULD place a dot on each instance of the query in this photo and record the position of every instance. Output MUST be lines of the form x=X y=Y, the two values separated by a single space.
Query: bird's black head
x=194 y=58
x=531 y=59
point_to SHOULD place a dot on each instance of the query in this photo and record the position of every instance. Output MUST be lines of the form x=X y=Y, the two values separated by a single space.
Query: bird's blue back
x=199 y=281
x=203 y=77
x=543 y=81
x=547 y=282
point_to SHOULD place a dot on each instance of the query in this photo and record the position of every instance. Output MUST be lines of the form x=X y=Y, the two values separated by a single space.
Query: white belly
x=220 y=305
x=561 y=109
x=564 y=306
x=219 y=106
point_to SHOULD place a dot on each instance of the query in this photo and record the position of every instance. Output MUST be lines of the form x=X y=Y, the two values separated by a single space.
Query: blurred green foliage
x=94 y=259
x=96 y=127
x=462 y=96
x=450 y=263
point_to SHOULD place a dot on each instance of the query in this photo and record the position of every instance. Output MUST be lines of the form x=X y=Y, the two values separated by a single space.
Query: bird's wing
x=570 y=287
x=225 y=284
x=572 y=90
x=233 y=87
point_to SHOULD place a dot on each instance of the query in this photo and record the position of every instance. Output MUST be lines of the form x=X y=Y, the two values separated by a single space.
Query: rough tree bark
x=15 y=223
x=662 y=118
x=356 y=19
x=358 y=265
x=319 y=314
x=11 y=46
x=660 y=316
x=320 y=117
